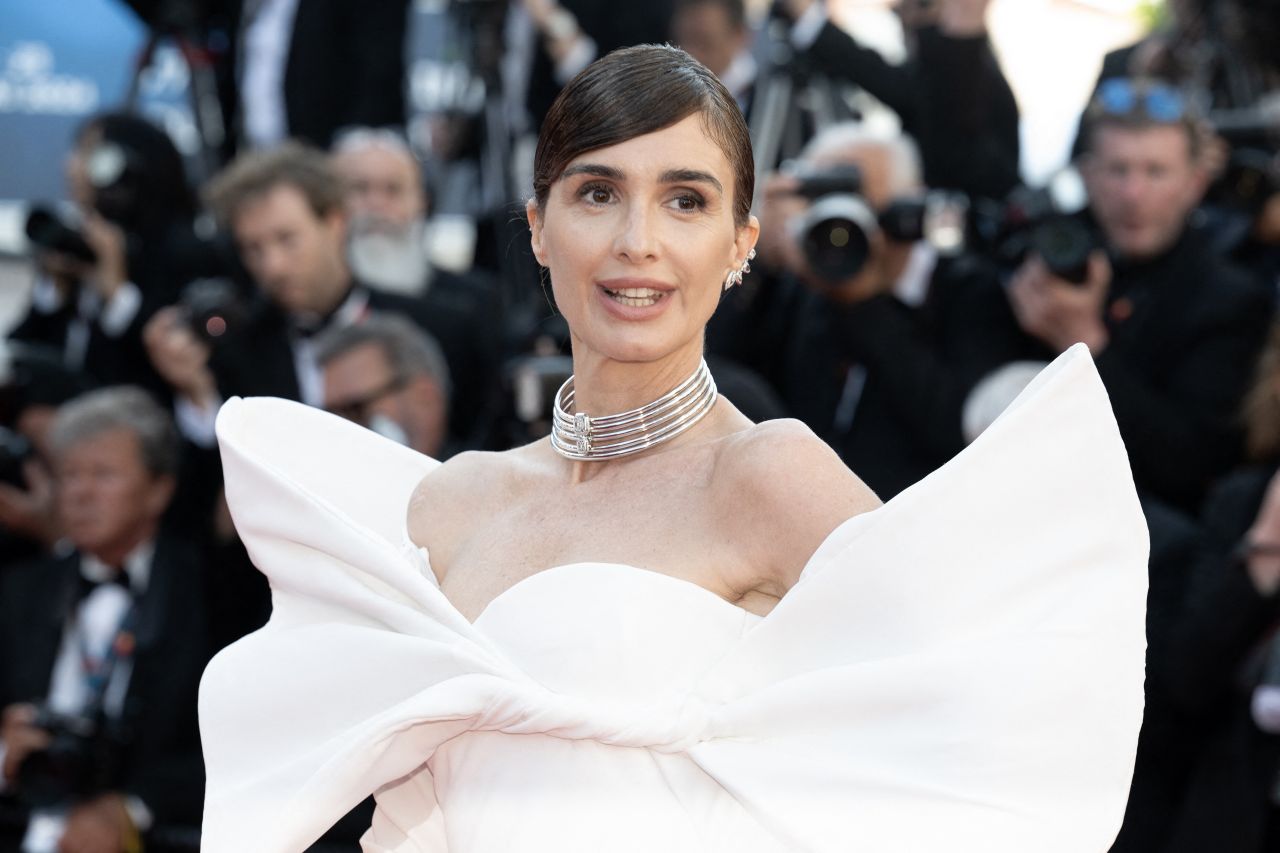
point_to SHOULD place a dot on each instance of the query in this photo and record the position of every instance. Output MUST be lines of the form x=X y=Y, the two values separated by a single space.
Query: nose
x=636 y=241
x=273 y=263
x=1133 y=187
x=75 y=492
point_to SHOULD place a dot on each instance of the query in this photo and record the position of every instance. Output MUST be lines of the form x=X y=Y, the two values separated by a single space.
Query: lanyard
x=97 y=671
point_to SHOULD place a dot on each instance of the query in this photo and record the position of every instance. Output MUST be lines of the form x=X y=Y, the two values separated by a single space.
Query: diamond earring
x=735 y=277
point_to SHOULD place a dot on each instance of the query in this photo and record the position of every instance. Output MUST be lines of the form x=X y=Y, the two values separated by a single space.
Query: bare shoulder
x=788 y=490
x=452 y=497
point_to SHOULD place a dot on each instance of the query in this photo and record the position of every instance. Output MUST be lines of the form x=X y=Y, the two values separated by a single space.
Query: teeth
x=637 y=297
x=637 y=292
x=638 y=303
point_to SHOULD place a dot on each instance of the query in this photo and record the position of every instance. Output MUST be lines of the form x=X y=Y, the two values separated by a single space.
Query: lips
x=634 y=298
x=635 y=293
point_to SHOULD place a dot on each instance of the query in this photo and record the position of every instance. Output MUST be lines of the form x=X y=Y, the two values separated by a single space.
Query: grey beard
x=391 y=260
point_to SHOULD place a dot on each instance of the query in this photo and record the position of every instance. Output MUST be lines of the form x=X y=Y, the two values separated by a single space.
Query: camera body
x=86 y=756
x=212 y=307
x=1028 y=222
x=116 y=176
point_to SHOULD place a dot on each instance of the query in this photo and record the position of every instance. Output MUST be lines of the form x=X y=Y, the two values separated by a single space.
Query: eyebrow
x=671 y=176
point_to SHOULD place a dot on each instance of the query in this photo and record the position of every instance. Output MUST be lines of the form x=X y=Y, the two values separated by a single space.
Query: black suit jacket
x=952 y=98
x=1186 y=330
x=1210 y=671
x=611 y=25
x=257 y=360
x=164 y=766
x=920 y=364
x=345 y=67
x=345 y=63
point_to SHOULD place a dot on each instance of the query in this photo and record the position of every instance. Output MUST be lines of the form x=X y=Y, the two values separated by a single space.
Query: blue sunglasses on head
x=1121 y=96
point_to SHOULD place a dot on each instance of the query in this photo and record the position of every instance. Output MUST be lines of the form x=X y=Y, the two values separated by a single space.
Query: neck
x=337 y=295
x=115 y=553
x=602 y=386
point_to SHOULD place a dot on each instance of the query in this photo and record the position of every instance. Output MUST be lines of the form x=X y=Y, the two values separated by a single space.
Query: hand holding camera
x=30 y=511
x=107 y=240
x=21 y=737
x=99 y=825
x=1060 y=312
x=180 y=357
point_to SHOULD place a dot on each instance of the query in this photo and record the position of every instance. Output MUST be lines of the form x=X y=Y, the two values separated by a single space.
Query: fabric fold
x=959 y=669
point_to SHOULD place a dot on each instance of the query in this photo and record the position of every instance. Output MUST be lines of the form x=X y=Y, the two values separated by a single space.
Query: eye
x=596 y=193
x=688 y=202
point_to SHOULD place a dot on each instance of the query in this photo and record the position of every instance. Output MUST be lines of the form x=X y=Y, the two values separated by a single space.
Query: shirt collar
x=352 y=309
x=137 y=565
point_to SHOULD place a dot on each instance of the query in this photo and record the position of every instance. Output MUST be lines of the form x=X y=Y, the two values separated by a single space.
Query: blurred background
x=322 y=200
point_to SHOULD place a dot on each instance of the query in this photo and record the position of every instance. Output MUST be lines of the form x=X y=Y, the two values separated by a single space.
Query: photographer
x=33 y=385
x=286 y=210
x=1222 y=668
x=1173 y=328
x=135 y=247
x=101 y=649
x=951 y=94
x=876 y=339
x=390 y=376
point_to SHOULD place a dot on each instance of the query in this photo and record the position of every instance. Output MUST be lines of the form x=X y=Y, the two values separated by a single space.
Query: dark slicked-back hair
x=635 y=91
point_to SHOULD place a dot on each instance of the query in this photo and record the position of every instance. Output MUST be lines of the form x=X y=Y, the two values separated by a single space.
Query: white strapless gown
x=959 y=670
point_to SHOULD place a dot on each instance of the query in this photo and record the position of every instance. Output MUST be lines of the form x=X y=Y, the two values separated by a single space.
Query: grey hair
x=356 y=138
x=906 y=174
x=120 y=407
x=408 y=349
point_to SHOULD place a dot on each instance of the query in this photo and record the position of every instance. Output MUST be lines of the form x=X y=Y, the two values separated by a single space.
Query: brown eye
x=688 y=203
x=596 y=193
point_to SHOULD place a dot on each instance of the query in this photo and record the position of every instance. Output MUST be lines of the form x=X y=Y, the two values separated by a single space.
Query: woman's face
x=638 y=238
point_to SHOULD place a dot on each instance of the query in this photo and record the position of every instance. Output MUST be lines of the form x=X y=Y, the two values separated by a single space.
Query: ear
x=745 y=240
x=335 y=222
x=1201 y=177
x=159 y=495
x=534 y=216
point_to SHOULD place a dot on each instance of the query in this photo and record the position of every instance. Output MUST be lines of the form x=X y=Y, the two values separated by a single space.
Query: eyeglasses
x=1122 y=96
x=358 y=409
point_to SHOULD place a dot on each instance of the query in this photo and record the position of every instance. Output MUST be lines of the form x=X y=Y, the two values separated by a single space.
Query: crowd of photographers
x=907 y=288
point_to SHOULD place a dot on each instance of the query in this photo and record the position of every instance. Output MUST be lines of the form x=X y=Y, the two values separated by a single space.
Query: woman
x=734 y=647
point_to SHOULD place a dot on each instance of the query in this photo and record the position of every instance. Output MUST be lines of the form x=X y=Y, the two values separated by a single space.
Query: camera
x=47 y=230
x=211 y=307
x=1032 y=221
x=85 y=757
x=116 y=175
x=837 y=230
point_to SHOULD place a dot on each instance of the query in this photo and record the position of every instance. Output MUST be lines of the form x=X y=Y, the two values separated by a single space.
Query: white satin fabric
x=960 y=669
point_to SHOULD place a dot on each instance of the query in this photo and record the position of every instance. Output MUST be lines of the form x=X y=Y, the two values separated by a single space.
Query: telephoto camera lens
x=1065 y=244
x=835 y=234
x=46 y=230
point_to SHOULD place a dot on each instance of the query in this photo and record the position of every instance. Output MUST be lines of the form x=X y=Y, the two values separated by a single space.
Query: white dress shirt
x=268 y=30
x=91 y=633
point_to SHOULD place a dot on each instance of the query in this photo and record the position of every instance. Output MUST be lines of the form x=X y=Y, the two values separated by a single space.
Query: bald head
x=889 y=162
x=382 y=177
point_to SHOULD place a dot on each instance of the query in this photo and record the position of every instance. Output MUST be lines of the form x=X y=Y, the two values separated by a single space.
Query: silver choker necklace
x=583 y=438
